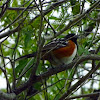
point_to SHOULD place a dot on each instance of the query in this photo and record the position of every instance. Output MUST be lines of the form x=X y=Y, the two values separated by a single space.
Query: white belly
x=69 y=60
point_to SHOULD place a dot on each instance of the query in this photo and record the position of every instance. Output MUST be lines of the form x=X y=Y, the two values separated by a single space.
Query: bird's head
x=72 y=37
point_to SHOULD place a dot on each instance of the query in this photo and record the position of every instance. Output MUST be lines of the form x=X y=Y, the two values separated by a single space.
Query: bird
x=58 y=51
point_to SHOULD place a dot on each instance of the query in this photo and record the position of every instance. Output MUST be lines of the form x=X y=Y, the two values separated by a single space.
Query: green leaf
x=82 y=50
x=75 y=6
x=38 y=85
x=21 y=65
x=14 y=3
x=55 y=18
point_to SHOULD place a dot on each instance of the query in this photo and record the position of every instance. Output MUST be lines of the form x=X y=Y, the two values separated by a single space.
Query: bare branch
x=76 y=85
x=22 y=8
x=17 y=8
x=7 y=96
x=4 y=7
x=8 y=32
x=53 y=6
x=34 y=69
x=17 y=17
x=5 y=72
x=76 y=20
x=83 y=95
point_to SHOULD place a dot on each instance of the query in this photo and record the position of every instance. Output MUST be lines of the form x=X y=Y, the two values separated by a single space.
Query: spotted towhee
x=58 y=51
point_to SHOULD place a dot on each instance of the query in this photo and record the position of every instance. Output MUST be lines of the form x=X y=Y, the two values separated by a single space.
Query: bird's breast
x=69 y=50
x=67 y=60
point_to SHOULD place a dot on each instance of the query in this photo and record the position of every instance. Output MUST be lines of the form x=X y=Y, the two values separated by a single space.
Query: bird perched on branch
x=58 y=51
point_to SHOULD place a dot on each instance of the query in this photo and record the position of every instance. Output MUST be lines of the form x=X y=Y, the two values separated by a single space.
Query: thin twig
x=45 y=88
x=17 y=17
x=76 y=20
x=38 y=56
x=5 y=73
x=9 y=32
x=83 y=79
x=53 y=6
x=25 y=70
x=4 y=7
x=83 y=95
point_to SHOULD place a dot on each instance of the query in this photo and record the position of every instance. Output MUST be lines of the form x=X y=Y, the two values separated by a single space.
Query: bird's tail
x=26 y=56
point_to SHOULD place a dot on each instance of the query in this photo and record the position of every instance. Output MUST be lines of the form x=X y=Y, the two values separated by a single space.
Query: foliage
x=27 y=25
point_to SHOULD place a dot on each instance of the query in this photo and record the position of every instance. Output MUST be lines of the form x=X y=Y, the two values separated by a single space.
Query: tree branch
x=83 y=79
x=22 y=8
x=53 y=6
x=76 y=20
x=39 y=45
x=7 y=96
x=17 y=17
x=9 y=32
x=55 y=71
x=17 y=8
x=4 y=7
x=84 y=95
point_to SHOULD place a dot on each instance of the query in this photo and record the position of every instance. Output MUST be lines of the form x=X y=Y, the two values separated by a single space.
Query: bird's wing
x=55 y=44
